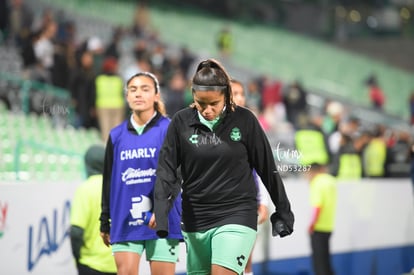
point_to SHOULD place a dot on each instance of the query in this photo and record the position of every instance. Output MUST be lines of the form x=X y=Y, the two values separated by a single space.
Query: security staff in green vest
x=225 y=42
x=91 y=255
x=312 y=145
x=110 y=100
x=323 y=201
x=375 y=155
x=347 y=163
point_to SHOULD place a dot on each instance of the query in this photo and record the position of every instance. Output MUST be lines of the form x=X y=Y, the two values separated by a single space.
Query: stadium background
x=330 y=48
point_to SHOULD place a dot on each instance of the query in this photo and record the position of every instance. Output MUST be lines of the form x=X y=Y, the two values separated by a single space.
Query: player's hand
x=311 y=228
x=152 y=223
x=106 y=238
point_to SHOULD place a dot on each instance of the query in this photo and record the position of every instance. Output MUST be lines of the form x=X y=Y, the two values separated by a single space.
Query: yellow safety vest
x=323 y=194
x=85 y=212
x=225 y=41
x=374 y=158
x=109 y=92
x=311 y=145
x=350 y=166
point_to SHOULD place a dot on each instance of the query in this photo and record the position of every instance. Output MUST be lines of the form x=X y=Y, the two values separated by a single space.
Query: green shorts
x=163 y=250
x=228 y=246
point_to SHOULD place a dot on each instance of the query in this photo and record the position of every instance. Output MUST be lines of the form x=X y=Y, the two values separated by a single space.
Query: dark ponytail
x=211 y=75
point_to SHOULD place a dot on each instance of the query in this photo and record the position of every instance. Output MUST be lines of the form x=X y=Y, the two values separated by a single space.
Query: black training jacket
x=218 y=187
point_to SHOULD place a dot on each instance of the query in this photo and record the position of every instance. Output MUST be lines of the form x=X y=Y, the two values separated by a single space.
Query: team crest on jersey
x=235 y=134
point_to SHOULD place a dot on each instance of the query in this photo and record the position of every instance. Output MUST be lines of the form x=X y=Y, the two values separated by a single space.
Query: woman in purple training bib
x=129 y=176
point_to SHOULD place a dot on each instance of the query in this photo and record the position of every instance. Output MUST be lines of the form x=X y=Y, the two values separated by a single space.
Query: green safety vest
x=311 y=145
x=374 y=158
x=109 y=92
x=350 y=166
x=323 y=194
x=225 y=41
x=85 y=212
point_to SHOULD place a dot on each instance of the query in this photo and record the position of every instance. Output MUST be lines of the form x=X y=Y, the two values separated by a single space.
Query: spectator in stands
x=187 y=59
x=254 y=97
x=225 y=42
x=90 y=253
x=109 y=99
x=20 y=22
x=348 y=126
x=323 y=200
x=141 y=61
x=95 y=45
x=82 y=88
x=331 y=120
x=44 y=49
x=40 y=23
x=174 y=93
x=66 y=34
x=131 y=158
x=4 y=20
x=64 y=59
x=239 y=98
x=274 y=110
x=376 y=95
x=271 y=93
x=113 y=48
x=398 y=155
x=411 y=102
x=141 y=22
x=160 y=62
x=294 y=98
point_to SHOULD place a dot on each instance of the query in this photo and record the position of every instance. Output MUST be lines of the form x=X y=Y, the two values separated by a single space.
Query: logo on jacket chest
x=138 y=153
x=200 y=140
x=235 y=134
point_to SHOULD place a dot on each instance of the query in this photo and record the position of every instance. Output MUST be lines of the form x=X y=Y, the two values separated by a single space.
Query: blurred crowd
x=94 y=73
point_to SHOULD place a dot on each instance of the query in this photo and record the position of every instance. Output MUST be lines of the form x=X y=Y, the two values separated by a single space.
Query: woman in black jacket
x=216 y=145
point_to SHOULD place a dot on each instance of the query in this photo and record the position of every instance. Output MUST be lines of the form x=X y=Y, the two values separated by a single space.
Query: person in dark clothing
x=4 y=20
x=82 y=88
x=295 y=102
x=216 y=144
x=412 y=163
x=112 y=50
x=20 y=23
x=174 y=93
x=186 y=60
x=376 y=94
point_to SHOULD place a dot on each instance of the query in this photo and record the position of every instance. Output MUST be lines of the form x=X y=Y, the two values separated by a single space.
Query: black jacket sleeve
x=106 y=188
x=167 y=185
x=261 y=157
